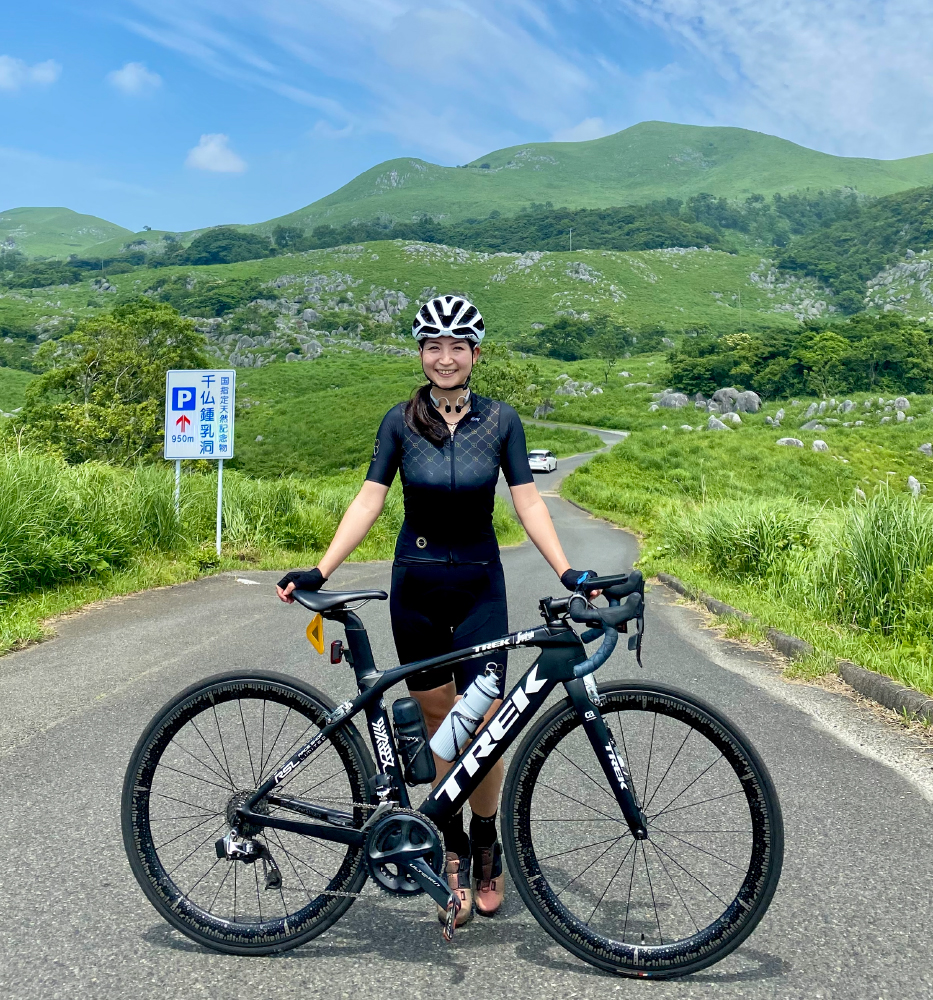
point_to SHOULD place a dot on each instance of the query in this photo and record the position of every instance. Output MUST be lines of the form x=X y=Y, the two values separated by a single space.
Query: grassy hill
x=648 y=161
x=313 y=295
x=55 y=232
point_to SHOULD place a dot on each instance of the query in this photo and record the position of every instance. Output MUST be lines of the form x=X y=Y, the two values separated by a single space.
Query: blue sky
x=184 y=113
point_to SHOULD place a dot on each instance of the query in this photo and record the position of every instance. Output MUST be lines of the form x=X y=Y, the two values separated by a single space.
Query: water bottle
x=464 y=718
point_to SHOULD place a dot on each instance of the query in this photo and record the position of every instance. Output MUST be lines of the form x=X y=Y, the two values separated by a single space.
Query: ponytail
x=422 y=417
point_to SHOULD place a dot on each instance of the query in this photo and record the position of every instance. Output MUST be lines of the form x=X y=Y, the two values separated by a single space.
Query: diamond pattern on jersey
x=423 y=463
x=477 y=448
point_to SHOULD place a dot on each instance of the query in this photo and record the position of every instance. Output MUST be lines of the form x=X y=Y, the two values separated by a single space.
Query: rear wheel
x=200 y=758
x=689 y=894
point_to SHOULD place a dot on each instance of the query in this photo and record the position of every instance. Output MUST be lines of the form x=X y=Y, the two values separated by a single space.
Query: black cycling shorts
x=439 y=607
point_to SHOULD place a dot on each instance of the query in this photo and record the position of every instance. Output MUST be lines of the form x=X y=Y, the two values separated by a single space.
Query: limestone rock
x=811 y=411
x=901 y=416
x=926 y=449
x=748 y=402
x=791 y=442
x=859 y=423
x=686 y=427
x=673 y=401
x=820 y=445
x=847 y=407
x=779 y=416
x=715 y=424
x=915 y=486
x=885 y=420
x=813 y=425
x=901 y=403
x=732 y=418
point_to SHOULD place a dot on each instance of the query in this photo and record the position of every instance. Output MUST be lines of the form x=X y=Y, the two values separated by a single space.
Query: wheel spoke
x=667 y=899
x=702 y=774
x=584 y=804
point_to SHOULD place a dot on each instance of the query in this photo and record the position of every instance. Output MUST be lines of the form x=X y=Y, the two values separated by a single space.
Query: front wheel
x=696 y=888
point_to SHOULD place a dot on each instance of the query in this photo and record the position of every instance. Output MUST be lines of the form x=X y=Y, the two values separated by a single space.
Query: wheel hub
x=237 y=801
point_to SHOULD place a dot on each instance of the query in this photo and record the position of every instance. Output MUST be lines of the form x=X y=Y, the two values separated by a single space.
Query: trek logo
x=492 y=735
x=498 y=644
x=512 y=640
x=383 y=744
x=617 y=767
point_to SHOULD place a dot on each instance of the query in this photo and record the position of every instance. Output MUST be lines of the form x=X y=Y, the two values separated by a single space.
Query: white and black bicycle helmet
x=448 y=316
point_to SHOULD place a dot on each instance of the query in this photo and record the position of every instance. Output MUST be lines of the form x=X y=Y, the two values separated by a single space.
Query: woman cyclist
x=448 y=589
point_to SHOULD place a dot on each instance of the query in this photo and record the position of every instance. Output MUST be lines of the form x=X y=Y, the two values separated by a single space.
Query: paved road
x=852 y=917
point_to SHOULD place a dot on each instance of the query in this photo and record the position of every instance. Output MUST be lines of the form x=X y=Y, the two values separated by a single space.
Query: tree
x=498 y=377
x=102 y=390
x=565 y=339
x=226 y=245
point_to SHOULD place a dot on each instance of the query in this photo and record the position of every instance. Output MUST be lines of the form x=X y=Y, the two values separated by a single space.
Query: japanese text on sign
x=199 y=414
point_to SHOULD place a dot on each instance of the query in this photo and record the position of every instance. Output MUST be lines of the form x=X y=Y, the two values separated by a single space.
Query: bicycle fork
x=585 y=698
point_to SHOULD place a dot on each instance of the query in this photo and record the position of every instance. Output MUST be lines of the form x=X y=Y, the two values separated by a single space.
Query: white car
x=542 y=461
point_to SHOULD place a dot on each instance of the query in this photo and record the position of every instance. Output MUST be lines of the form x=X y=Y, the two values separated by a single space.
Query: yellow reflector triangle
x=315 y=633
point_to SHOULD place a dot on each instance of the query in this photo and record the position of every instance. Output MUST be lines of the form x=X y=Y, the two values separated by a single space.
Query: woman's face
x=447 y=361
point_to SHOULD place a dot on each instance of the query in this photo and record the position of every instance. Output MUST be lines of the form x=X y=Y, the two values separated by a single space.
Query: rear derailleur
x=233 y=847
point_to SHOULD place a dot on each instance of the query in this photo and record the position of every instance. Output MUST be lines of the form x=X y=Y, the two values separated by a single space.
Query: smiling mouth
x=444 y=372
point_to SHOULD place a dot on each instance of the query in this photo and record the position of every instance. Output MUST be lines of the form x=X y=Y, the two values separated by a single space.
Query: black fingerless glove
x=310 y=579
x=572 y=578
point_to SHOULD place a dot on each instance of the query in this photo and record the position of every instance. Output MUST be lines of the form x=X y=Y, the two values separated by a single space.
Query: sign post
x=199 y=413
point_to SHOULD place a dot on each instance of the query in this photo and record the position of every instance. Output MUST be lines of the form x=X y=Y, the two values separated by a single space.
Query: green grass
x=319 y=416
x=563 y=441
x=56 y=232
x=777 y=531
x=72 y=534
x=13 y=388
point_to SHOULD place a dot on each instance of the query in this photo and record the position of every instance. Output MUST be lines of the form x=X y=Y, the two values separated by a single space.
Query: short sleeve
x=387 y=450
x=514 y=452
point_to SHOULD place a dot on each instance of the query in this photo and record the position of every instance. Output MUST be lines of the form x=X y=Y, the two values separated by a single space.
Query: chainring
x=398 y=836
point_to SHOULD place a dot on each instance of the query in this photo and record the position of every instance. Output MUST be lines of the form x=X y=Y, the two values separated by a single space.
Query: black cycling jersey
x=450 y=489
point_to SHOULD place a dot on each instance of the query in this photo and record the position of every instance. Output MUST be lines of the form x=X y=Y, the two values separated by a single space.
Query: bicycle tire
x=179 y=764
x=529 y=835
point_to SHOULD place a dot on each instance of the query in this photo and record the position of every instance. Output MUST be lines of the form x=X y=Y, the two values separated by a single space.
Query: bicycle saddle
x=327 y=600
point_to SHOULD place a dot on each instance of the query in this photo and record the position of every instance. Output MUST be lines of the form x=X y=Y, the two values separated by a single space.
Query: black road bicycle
x=641 y=828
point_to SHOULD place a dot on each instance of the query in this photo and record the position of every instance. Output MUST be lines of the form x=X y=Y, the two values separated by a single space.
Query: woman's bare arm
x=361 y=515
x=536 y=520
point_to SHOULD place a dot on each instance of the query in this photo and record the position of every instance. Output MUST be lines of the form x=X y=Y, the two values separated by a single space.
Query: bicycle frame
x=561 y=650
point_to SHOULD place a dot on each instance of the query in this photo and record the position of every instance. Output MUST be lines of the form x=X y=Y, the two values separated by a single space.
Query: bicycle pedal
x=453 y=908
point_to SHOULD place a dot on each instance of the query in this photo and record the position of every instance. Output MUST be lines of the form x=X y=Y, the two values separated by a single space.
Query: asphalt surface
x=852 y=917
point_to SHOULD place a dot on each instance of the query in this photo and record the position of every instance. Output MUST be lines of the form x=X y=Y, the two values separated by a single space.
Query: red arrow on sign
x=183 y=422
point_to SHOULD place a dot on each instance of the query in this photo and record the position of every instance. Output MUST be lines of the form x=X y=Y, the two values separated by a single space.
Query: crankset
x=405 y=856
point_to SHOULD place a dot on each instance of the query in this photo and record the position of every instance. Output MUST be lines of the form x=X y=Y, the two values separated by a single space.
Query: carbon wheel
x=198 y=759
x=696 y=888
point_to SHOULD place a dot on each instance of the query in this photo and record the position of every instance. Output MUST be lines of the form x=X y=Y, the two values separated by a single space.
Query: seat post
x=364 y=665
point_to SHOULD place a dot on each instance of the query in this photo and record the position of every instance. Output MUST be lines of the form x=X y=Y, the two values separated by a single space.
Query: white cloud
x=134 y=79
x=213 y=153
x=850 y=77
x=451 y=79
x=589 y=128
x=14 y=73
